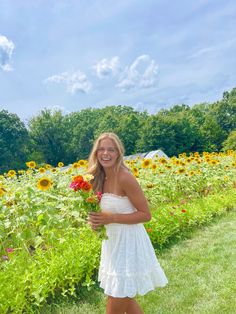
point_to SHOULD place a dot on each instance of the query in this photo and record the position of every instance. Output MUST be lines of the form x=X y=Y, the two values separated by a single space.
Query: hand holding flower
x=98 y=219
x=91 y=202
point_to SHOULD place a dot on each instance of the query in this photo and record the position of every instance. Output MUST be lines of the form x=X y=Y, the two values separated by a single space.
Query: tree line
x=51 y=137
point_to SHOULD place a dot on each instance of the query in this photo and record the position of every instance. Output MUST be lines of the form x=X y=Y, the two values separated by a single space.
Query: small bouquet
x=91 y=200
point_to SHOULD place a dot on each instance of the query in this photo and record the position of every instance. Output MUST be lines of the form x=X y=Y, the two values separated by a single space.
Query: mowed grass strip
x=201 y=271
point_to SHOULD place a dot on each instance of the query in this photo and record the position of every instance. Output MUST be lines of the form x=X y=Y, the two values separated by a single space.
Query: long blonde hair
x=94 y=166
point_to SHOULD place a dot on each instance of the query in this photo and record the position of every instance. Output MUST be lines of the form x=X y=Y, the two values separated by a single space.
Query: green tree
x=157 y=133
x=211 y=132
x=197 y=116
x=225 y=111
x=13 y=141
x=230 y=142
x=172 y=131
x=83 y=126
x=49 y=135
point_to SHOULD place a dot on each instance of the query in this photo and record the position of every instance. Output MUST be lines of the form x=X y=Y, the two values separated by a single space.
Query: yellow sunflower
x=229 y=152
x=60 y=164
x=135 y=171
x=163 y=160
x=75 y=165
x=154 y=167
x=81 y=162
x=44 y=184
x=11 y=173
x=198 y=160
x=2 y=191
x=136 y=174
x=181 y=170
x=214 y=162
x=31 y=164
x=146 y=163
x=42 y=169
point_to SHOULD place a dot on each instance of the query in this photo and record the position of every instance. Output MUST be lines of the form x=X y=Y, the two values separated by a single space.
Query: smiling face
x=107 y=153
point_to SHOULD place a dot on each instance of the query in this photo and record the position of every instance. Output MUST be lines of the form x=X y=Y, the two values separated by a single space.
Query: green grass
x=201 y=271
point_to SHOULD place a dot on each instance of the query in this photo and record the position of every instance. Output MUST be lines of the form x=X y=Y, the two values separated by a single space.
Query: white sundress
x=128 y=264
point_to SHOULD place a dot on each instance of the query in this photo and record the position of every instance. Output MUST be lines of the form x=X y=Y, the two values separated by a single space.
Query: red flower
x=9 y=250
x=99 y=196
x=77 y=183
x=183 y=210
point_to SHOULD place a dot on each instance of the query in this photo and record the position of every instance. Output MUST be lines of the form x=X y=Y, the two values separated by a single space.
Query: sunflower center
x=44 y=182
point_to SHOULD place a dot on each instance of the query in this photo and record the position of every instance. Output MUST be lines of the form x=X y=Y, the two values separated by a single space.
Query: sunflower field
x=47 y=247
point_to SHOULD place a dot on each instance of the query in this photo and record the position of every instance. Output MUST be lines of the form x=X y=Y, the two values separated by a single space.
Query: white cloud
x=142 y=73
x=75 y=82
x=6 y=50
x=201 y=52
x=106 y=67
x=220 y=46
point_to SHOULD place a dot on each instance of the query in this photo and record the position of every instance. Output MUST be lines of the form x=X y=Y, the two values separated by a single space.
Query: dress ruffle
x=131 y=285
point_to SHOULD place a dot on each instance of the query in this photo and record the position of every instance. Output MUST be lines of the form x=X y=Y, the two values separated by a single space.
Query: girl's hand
x=99 y=219
x=92 y=225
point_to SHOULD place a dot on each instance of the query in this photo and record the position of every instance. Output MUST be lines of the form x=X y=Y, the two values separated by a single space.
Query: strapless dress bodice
x=116 y=204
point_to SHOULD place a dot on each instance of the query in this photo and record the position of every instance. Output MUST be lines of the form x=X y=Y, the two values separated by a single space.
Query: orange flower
x=92 y=199
x=86 y=186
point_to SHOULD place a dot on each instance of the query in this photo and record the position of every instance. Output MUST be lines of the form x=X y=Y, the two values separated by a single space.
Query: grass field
x=201 y=271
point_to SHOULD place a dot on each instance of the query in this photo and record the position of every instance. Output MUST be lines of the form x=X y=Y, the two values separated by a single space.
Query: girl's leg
x=116 y=305
x=133 y=307
x=122 y=305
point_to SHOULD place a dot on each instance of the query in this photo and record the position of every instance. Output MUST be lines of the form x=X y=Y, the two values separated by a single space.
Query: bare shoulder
x=131 y=188
x=125 y=176
x=127 y=181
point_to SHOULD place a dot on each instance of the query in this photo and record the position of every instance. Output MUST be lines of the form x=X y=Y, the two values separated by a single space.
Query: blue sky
x=148 y=54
